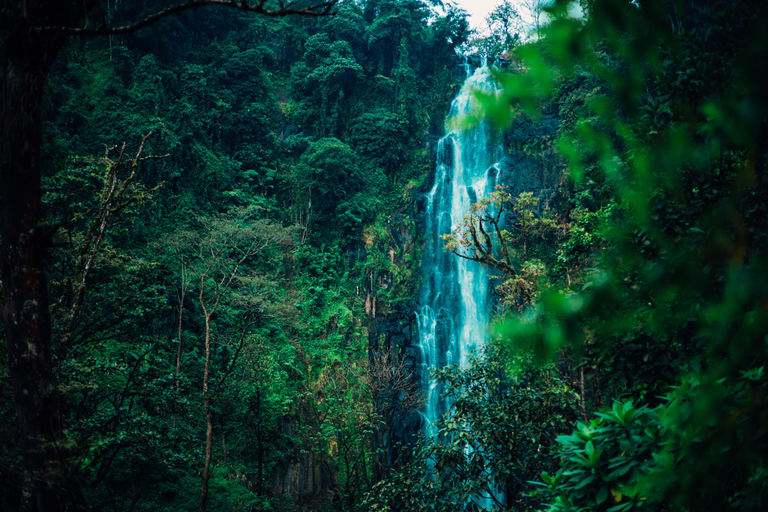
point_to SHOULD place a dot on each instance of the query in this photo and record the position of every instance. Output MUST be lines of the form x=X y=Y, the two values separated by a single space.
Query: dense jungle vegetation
x=210 y=224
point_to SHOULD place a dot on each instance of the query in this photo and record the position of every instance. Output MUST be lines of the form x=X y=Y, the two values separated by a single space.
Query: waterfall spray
x=455 y=298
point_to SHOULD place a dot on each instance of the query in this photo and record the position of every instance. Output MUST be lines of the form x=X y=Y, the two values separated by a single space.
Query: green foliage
x=382 y=138
x=396 y=23
x=339 y=426
x=246 y=109
x=512 y=243
x=586 y=238
x=113 y=369
x=333 y=183
x=329 y=329
x=327 y=74
x=332 y=67
x=123 y=397
x=603 y=461
x=498 y=433
x=632 y=458
x=673 y=173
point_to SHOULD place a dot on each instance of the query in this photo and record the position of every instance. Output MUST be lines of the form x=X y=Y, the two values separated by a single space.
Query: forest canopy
x=212 y=246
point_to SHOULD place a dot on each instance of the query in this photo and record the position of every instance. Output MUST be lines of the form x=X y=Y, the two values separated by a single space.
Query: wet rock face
x=397 y=332
x=298 y=478
x=530 y=162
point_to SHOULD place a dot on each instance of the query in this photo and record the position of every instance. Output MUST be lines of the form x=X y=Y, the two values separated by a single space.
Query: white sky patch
x=478 y=10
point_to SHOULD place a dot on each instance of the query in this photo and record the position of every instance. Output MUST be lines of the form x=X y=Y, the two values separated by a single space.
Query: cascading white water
x=455 y=299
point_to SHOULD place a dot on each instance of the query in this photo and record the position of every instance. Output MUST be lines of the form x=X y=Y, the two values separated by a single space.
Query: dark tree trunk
x=208 y=454
x=224 y=447
x=259 y=445
x=25 y=315
x=206 y=406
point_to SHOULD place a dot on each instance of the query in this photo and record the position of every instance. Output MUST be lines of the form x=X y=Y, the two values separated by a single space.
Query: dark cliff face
x=397 y=332
x=530 y=162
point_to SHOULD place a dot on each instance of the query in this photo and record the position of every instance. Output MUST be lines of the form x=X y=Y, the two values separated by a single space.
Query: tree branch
x=111 y=204
x=284 y=9
x=247 y=323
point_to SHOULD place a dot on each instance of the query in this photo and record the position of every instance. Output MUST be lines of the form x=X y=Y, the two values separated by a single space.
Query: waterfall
x=455 y=301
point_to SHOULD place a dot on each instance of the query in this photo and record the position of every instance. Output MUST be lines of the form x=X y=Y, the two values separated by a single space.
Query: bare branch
x=486 y=236
x=111 y=204
x=284 y=9
x=248 y=322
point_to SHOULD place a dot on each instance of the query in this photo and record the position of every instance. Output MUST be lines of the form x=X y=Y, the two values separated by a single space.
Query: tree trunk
x=25 y=314
x=208 y=454
x=182 y=293
x=208 y=416
x=259 y=445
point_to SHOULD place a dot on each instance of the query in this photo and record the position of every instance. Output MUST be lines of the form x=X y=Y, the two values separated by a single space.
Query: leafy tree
x=675 y=299
x=116 y=195
x=503 y=32
x=33 y=35
x=115 y=388
x=327 y=74
x=334 y=184
x=264 y=386
x=487 y=235
x=395 y=21
x=382 y=138
x=216 y=255
x=340 y=430
x=453 y=29
x=498 y=434
x=439 y=63
x=348 y=25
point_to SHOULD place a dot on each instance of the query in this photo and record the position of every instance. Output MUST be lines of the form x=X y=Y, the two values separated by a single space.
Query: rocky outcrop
x=301 y=477
x=531 y=162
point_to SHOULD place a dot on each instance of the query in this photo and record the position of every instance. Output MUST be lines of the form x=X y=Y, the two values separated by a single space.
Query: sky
x=478 y=10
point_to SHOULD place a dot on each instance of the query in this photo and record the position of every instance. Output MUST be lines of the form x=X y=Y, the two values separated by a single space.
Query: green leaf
x=602 y=494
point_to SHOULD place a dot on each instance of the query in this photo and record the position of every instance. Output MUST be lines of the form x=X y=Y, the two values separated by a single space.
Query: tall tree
x=33 y=33
x=217 y=255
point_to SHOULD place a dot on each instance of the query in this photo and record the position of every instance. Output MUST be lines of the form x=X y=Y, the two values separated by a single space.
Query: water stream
x=455 y=298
